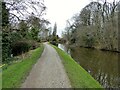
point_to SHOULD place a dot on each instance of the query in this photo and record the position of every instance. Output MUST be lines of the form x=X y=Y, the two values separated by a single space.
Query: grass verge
x=79 y=78
x=15 y=74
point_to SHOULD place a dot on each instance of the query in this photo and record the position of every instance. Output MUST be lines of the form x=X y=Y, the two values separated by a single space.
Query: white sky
x=61 y=10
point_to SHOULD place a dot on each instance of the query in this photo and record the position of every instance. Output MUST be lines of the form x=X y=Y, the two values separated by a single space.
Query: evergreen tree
x=6 y=39
x=55 y=30
x=5 y=15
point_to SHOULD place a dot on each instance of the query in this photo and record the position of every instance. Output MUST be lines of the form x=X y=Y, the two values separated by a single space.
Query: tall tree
x=96 y=26
x=55 y=30
x=6 y=39
x=15 y=14
x=23 y=28
x=5 y=15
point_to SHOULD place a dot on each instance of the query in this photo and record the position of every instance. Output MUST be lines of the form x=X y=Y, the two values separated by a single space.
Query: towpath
x=48 y=72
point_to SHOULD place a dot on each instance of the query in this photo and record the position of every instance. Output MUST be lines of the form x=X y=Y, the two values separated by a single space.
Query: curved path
x=48 y=72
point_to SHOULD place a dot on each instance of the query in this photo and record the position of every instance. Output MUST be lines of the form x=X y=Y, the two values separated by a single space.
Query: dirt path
x=48 y=72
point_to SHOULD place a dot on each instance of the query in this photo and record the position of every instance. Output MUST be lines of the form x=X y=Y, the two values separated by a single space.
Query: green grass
x=16 y=73
x=0 y=78
x=79 y=78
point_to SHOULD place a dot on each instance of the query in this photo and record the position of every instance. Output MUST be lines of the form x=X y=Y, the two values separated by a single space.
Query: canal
x=102 y=65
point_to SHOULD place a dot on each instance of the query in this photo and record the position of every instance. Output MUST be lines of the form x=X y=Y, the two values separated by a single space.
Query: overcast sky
x=61 y=10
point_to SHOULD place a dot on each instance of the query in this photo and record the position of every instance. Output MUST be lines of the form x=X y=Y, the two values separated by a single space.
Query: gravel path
x=48 y=72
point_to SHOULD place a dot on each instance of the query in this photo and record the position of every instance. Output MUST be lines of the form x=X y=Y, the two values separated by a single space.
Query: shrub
x=20 y=47
x=33 y=44
x=23 y=46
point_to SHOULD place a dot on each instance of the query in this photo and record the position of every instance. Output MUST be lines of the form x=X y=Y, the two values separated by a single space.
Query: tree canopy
x=95 y=26
x=22 y=20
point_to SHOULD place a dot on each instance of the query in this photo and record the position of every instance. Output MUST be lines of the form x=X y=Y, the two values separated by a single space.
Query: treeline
x=22 y=23
x=95 y=26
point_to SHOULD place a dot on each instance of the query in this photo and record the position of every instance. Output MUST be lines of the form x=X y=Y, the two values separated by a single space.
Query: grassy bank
x=79 y=78
x=15 y=74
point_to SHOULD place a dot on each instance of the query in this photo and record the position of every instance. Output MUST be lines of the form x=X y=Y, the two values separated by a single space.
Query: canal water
x=102 y=65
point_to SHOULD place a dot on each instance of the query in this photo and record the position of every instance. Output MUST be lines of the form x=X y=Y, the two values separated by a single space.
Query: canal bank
x=102 y=65
x=79 y=78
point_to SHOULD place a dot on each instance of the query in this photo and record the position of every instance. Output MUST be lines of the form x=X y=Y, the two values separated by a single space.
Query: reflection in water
x=64 y=48
x=102 y=65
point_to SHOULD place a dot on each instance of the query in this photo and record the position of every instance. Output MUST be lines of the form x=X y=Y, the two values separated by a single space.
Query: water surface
x=102 y=65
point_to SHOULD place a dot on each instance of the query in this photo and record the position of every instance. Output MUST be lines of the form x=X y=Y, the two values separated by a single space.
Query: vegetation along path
x=48 y=72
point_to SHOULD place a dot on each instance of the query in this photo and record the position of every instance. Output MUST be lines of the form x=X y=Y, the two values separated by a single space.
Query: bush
x=33 y=44
x=54 y=43
x=20 y=47
x=23 y=46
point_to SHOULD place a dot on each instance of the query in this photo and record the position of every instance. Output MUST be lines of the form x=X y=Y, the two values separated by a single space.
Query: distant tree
x=54 y=37
x=55 y=29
